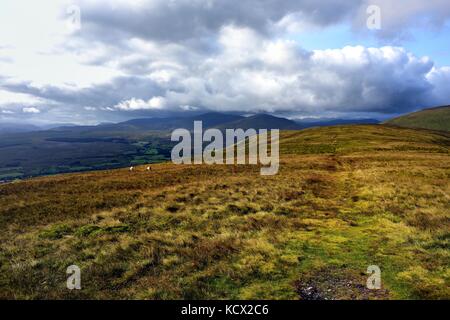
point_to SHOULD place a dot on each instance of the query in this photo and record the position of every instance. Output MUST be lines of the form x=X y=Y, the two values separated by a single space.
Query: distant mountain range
x=210 y=120
x=217 y=120
x=309 y=123
x=261 y=121
x=27 y=150
x=8 y=127
x=213 y=120
x=433 y=118
x=17 y=127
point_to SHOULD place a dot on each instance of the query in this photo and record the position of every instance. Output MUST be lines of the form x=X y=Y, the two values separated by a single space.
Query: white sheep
x=149 y=168
x=131 y=169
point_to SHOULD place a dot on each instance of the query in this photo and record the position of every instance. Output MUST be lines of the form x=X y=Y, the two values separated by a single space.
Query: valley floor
x=345 y=198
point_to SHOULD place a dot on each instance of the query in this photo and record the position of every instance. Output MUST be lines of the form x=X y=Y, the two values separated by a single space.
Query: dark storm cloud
x=195 y=22
x=183 y=20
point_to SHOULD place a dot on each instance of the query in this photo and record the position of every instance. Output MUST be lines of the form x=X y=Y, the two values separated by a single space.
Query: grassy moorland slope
x=434 y=118
x=345 y=198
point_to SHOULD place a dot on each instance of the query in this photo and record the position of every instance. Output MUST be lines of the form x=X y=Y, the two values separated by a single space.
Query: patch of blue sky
x=434 y=43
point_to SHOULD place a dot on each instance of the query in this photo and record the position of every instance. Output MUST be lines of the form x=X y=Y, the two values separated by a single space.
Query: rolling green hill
x=345 y=198
x=434 y=119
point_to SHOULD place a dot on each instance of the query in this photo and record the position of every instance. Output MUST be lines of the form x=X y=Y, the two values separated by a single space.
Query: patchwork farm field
x=345 y=198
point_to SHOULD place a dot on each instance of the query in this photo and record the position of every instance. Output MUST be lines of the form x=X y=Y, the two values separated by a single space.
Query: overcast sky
x=297 y=58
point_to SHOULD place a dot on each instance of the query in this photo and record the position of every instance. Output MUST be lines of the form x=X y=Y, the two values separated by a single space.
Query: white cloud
x=253 y=73
x=162 y=76
x=440 y=79
x=30 y=110
x=134 y=104
x=17 y=98
x=188 y=108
